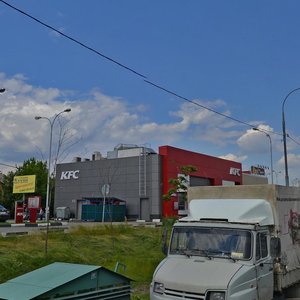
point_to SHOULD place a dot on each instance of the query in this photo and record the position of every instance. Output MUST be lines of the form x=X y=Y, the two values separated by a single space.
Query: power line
x=74 y=40
x=195 y=103
x=9 y=166
x=205 y=107
x=131 y=70
x=292 y=139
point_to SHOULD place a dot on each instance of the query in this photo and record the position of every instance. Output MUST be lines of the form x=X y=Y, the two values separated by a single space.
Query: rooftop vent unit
x=76 y=159
x=125 y=146
x=96 y=156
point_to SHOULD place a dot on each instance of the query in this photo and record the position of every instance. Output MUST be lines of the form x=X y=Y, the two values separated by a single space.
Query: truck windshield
x=211 y=242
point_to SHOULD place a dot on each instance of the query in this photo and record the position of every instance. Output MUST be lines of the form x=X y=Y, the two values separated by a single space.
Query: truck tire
x=278 y=296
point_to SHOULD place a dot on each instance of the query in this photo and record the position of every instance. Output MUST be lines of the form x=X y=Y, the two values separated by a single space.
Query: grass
x=138 y=248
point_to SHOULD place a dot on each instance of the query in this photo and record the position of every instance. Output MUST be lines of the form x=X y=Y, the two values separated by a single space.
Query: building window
x=182 y=201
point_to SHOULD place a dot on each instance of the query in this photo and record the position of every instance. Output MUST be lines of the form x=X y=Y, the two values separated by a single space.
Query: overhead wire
x=292 y=139
x=74 y=40
x=139 y=74
x=205 y=107
x=2 y=164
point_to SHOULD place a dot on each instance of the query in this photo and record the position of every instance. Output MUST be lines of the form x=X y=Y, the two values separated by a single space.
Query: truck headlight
x=158 y=288
x=216 y=296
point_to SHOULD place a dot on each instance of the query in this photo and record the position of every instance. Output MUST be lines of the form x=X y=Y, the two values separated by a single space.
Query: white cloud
x=234 y=157
x=258 y=141
x=293 y=161
x=98 y=122
x=205 y=125
x=293 y=167
x=55 y=34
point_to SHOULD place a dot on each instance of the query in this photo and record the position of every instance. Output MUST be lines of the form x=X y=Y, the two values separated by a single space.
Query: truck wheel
x=279 y=296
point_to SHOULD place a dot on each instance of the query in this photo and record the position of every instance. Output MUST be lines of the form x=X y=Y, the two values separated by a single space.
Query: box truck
x=237 y=243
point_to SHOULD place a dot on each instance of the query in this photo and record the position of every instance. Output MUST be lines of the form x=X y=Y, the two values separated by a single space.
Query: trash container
x=63 y=213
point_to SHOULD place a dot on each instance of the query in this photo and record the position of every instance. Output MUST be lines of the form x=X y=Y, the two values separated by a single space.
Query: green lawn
x=138 y=248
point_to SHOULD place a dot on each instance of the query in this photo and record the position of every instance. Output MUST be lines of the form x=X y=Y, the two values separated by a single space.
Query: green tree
x=29 y=167
x=179 y=183
x=7 y=187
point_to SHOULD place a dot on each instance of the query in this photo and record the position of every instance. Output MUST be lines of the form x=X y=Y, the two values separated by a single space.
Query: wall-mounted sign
x=258 y=170
x=105 y=189
x=24 y=184
x=235 y=171
x=66 y=175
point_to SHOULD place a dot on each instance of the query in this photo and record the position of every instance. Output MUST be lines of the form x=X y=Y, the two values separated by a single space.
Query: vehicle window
x=212 y=242
x=261 y=245
x=179 y=242
x=182 y=201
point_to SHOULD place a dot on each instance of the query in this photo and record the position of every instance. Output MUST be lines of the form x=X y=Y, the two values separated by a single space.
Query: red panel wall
x=209 y=167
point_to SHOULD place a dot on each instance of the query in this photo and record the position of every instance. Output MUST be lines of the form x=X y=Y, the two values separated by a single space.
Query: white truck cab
x=224 y=249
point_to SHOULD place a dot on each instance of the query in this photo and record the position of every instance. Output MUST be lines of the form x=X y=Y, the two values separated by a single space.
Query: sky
x=197 y=75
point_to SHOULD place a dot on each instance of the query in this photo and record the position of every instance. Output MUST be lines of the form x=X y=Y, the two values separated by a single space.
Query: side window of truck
x=261 y=245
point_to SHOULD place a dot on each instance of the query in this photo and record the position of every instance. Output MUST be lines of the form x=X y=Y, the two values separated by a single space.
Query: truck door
x=264 y=267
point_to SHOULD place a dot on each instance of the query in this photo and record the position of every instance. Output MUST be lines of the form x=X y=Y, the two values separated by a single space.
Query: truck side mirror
x=275 y=245
x=164 y=246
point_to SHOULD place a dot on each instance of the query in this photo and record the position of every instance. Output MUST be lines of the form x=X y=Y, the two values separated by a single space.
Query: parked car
x=4 y=214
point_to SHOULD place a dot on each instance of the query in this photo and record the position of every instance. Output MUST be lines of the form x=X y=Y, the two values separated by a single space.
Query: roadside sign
x=105 y=189
x=24 y=184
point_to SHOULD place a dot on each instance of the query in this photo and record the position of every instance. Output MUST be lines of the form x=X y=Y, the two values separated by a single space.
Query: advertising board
x=24 y=184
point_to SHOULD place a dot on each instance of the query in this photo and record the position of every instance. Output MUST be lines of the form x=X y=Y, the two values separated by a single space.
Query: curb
x=33 y=224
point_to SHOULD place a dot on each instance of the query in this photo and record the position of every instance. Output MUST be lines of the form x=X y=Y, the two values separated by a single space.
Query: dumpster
x=63 y=213
x=114 y=210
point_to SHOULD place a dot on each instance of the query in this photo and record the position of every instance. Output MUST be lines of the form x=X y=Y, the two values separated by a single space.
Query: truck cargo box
x=285 y=202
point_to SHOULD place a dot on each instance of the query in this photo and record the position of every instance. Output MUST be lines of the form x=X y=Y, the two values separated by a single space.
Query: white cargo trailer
x=237 y=243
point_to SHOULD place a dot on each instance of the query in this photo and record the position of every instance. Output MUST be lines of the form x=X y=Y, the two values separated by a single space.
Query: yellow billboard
x=24 y=184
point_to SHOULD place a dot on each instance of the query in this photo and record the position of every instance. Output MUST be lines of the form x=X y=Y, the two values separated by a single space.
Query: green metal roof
x=42 y=280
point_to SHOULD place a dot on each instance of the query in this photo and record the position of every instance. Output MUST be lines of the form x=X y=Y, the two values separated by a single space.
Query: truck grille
x=184 y=295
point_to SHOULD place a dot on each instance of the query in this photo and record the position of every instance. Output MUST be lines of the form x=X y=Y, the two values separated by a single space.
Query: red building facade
x=210 y=171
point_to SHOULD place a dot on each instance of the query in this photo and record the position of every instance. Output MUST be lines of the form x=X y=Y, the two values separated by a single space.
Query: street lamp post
x=276 y=175
x=51 y=122
x=271 y=151
x=284 y=138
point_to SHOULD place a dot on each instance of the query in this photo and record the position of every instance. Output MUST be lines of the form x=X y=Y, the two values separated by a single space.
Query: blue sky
x=239 y=58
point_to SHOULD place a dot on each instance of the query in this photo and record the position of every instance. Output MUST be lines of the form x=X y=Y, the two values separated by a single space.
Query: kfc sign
x=235 y=171
x=69 y=175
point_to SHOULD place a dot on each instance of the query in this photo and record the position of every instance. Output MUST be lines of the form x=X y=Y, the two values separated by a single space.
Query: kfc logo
x=69 y=175
x=235 y=172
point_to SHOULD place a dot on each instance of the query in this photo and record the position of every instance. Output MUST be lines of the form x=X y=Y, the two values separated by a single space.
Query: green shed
x=67 y=281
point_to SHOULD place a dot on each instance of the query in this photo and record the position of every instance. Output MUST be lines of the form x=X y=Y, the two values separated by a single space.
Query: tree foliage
x=30 y=167
x=179 y=183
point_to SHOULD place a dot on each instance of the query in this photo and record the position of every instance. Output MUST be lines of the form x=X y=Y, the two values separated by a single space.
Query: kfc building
x=210 y=171
x=139 y=177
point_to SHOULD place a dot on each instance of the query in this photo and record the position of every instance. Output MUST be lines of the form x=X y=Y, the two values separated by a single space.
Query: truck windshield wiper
x=198 y=252
x=221 y=253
